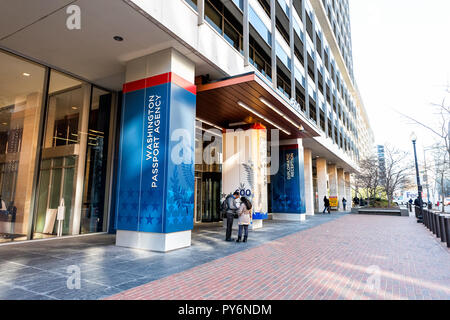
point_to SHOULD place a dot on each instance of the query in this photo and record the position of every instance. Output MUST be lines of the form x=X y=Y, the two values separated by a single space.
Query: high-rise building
x=381 y=161
x=138 y=116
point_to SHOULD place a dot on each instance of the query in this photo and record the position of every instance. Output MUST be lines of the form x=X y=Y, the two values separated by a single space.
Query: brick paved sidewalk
x=342 y=259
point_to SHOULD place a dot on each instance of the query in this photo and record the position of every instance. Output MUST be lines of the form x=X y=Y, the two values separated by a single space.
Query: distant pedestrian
x=231 y=210
x=344 y=203
x=245 y=218
x=326 y=203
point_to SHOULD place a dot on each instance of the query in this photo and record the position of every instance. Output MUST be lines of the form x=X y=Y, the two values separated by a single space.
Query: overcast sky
x=401 y=52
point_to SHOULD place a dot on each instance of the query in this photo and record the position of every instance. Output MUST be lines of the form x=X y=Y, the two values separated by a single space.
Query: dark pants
x=230 y=220
x=245 y=227
x=345 y=207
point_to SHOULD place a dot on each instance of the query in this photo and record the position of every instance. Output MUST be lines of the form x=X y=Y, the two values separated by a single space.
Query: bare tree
x=397 y=173
x=442 y=128
x=440 y=171
x=368 y=179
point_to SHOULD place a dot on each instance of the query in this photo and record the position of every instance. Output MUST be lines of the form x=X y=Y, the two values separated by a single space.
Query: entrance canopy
x=247 y=99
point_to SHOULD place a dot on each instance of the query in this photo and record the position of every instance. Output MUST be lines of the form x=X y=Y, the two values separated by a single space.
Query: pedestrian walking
x=230 y=211
x=344 y=203
x=326 y=203
x=245 y=218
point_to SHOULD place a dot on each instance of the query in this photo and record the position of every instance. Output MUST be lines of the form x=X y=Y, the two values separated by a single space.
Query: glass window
x=283 y=55
x=21 y=89
x=93 y=218
x=239 y=4
x=213 y=16
x=192 y=3
x=259 y=25
x=61 y=150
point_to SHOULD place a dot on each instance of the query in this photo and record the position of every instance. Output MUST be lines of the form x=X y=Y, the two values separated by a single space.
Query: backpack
x=224 y=207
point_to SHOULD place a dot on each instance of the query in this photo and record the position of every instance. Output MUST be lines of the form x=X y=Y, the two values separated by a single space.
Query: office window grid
x=329 y=88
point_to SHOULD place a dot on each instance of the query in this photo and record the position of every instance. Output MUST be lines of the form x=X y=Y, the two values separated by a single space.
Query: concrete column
x=244 y=168
x=348 y=190
x=155 y=197
x=322 y=180
x=333 y=182
x=341 y=188
x=83 y=128
x=246 y=33
x=287 y=186
x=274 y=43
x=309 y=191
x=305 y=55
x=201 y=12
x=292 y=47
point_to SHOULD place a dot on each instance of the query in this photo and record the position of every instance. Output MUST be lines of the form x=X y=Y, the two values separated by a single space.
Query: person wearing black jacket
x=326 y=203
x=232 y=209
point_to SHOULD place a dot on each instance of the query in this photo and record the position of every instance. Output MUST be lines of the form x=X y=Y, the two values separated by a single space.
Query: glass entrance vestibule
x=208 y=174
x=55 y=151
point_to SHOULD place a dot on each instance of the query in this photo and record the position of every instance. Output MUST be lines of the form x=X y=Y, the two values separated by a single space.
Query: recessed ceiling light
x=26 y=74
x=118 y=38
x=4 y=123
x=75 y=108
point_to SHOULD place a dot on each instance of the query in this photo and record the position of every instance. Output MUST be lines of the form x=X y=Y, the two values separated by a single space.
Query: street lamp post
x=419 y=186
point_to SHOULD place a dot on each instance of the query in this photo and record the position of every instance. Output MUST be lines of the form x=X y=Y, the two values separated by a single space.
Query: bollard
x=425 y=218
x=432 y=223
x=437 y=227
x=442 y=225
x=447 y=230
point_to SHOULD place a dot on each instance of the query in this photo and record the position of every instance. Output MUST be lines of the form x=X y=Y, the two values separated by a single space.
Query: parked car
x=447 y=201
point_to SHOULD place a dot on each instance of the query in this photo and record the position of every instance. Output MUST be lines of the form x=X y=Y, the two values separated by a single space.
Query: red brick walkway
x=355 y=257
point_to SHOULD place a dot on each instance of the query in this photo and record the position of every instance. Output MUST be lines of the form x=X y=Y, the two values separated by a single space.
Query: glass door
x=93 y=208
x=198 y=200
x=60 y=156
x=211 y=196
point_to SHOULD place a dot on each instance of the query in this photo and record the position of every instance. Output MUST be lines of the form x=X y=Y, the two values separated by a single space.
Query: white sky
x=401 y=53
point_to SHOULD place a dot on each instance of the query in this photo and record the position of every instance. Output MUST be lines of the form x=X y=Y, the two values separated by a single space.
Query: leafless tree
x=440 y=170
x=397 y=174
x=368 y=179
x=441 y=129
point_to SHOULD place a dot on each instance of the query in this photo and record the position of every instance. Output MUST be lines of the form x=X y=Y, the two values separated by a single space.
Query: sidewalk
x=38 y=270
x=355 y=257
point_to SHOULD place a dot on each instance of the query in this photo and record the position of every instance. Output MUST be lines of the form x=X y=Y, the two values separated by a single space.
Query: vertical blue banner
x=156 y=165
x=179 y=201
x=287 y=186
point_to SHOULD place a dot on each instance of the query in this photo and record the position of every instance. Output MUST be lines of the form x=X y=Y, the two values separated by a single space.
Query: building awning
x=249 y=99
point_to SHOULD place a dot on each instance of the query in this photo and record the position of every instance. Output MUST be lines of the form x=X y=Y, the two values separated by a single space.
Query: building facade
x=138 y=117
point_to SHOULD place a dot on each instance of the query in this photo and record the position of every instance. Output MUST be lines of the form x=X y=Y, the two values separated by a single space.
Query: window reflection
x=21 y=86
x=93 y=211
x=57 y=180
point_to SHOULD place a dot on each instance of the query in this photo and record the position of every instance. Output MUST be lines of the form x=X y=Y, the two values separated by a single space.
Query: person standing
x=326 y=203
x=245 y=218
x=230 y=212
x=344 y=204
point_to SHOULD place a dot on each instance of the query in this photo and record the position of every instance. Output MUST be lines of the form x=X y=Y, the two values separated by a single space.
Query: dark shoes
x=228 y=240
x=238 y=239
x=245 y=239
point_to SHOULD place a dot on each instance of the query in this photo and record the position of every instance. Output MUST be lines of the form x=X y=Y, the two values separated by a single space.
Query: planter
x=382 y=212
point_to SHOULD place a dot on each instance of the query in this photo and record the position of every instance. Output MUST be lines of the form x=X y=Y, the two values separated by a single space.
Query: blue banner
x=287 y=186
x=156 y=165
